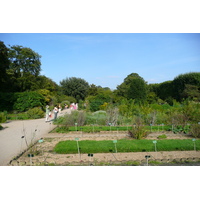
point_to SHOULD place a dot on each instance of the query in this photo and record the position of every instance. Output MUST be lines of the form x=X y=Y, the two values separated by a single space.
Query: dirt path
x=12 y=142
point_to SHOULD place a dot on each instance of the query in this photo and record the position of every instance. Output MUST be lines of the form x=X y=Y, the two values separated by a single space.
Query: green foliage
x=35 y=113
x=27 y=100
x=6 y=101
x=1 y=127
x=163 y=136
x=133 y=87
x=78 y=117
x=4 y=65
x=137 y=90
x=107 y=146
x=75 y=87
x=181 y=82
x=97 y=102
x=164 y=90
x=138 y=130
x=98 y=117
x=195 y=130
x=3 y=117
x=24 y=60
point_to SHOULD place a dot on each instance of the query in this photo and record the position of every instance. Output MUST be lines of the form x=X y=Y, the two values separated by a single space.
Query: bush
x=2 y=117
x=1 y=127
x=138 y=131
x=98 y=117
x=35 y=113
x=195 y=130
x=27 y=100
x=162 y=136
x=78 y=117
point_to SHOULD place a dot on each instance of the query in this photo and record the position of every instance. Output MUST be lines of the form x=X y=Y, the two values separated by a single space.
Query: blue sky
x=105 y=59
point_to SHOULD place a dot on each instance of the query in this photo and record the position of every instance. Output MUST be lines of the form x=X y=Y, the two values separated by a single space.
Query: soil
x=46 y=155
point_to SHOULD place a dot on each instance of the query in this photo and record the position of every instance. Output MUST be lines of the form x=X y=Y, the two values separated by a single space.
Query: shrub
x=138 y=130
x=78 y=117
x=2 y=117
x=1 y=127
x=98 y=117
x=162 y=136
x=27 y=100
x=35 y=113
x=63 y=103
x=195 y=130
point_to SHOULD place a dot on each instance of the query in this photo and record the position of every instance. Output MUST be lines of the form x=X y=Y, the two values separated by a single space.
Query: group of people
x=74 y=106
x=57 y=109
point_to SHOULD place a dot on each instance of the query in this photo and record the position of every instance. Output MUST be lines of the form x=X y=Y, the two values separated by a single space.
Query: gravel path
x=12 y=142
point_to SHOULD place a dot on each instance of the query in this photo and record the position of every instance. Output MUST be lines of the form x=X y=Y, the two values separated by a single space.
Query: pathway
x=17 y=135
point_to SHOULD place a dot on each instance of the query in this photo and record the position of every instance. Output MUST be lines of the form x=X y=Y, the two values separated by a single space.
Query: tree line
x=22 y=87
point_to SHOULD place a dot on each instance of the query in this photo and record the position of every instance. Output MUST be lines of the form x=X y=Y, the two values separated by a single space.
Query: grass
x=107 y=146
x=91 y=128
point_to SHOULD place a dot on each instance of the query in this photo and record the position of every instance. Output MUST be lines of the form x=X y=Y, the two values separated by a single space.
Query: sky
x=106 y=59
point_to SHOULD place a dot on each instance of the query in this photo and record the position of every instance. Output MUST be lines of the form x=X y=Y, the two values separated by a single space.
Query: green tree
x=133 y=87
x=27 y=100
x=24 y=67
x=4 y=65
x=180 y=83
x=137 y=90
x=75 y=87
x=164 y=90
x=43 y=82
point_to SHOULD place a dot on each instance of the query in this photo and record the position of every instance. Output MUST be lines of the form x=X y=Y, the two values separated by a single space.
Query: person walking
x=47 y=113
x=55 y=110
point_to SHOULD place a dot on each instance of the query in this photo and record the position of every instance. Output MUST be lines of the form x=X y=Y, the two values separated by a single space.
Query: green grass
x=91 y=129
x=106 y=146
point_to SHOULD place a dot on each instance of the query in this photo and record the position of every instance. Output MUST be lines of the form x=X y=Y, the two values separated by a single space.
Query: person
x=55 y=110
x=47 y=113
x=76 y=106
x=59 y=108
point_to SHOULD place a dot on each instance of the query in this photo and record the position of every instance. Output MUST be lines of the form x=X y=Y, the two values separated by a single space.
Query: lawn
x=125 y=145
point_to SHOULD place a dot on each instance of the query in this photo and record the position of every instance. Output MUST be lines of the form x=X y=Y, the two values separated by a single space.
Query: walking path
x=18 y=135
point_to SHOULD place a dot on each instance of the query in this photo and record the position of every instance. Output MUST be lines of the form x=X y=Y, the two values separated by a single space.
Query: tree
x=43 y=82
x=4 y=65
x=75 y=87
x=181 y=81
x=192 y=92
x=133 y=87
x=27 y=100
x=137 y=90
x=24 y=67
x=164 y=90
x=24 y=60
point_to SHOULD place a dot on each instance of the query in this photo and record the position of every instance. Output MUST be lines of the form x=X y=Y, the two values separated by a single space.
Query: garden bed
x=47 y=156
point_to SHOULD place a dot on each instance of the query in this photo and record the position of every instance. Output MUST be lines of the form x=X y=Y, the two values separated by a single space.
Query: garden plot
x=44 y=152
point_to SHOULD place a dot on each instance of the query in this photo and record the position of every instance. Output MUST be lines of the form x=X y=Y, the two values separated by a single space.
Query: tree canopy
x=133 y=87
x=75 y=87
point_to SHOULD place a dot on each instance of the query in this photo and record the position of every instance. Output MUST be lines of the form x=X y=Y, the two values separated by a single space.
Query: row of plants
x=104 y=121
x=95 y=129
x=107 y=146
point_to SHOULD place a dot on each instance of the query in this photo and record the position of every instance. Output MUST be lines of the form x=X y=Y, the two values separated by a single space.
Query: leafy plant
x=195 y=130
x=2 y=117
x=35 y=113
x=138 y=130
x=27 y=100
x=162 y=136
